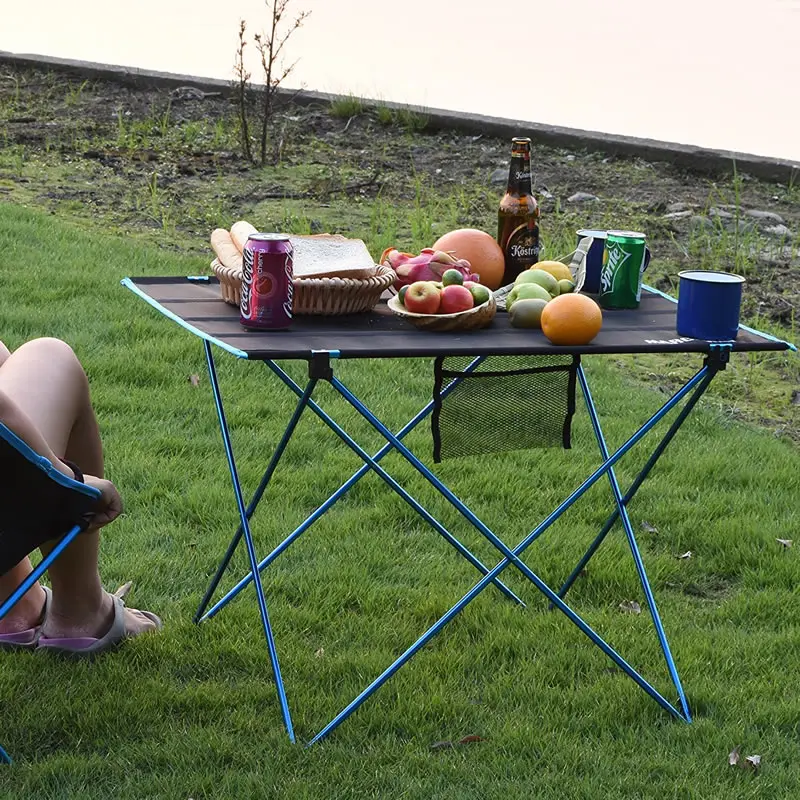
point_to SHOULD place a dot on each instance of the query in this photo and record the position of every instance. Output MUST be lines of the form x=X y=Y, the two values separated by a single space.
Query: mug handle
x=646 y=258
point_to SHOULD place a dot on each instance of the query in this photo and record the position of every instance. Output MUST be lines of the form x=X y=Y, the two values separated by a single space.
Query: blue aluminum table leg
x=251 y=552
x=557 y=601
x=622 y=511
x=370 y=463
x=345 y=487
x=5 y=758
x=262 y=486
x=662 y=445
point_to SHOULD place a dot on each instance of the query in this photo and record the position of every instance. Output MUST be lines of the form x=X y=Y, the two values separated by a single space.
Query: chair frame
x=8 y=437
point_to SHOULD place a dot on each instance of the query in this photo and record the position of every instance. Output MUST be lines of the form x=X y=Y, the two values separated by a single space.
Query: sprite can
x=625 y=258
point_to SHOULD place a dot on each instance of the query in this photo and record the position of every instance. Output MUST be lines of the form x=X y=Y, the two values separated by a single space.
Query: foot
x=27 y=614
x=94 y=624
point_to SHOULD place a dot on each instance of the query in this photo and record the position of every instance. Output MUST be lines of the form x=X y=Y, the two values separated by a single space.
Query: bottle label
x=522 y=175
x=523 y=245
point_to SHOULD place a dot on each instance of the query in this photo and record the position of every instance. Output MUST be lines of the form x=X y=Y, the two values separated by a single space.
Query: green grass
x=193 y=712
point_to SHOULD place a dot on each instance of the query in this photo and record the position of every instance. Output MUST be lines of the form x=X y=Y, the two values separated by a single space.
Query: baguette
x=226 y=252
x=239 y=233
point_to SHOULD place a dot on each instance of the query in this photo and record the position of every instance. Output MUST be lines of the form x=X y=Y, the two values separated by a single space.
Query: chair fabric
x=37 y=504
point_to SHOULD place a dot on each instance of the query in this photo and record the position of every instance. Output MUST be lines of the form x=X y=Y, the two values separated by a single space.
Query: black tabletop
x=197 y=305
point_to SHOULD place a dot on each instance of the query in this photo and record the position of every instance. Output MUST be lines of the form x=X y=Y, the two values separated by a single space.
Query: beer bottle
x=518 y=216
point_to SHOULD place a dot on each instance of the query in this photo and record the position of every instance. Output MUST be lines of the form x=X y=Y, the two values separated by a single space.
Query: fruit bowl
x=472 y=319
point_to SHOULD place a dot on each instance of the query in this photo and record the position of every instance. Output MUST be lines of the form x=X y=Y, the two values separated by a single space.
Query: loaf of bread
x=331 y=256
x=322 y=255
x=225 y=250
x=239 y=233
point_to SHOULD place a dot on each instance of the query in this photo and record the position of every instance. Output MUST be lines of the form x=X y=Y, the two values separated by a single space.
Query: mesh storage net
x=502 y=403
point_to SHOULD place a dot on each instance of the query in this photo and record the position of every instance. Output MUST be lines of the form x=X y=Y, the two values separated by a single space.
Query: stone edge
x=687 y=156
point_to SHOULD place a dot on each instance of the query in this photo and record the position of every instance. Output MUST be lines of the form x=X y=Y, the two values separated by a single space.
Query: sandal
x=87 y=645
x=28 y=639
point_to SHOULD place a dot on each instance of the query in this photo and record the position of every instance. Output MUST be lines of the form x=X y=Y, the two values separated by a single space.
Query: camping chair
x=37 y=504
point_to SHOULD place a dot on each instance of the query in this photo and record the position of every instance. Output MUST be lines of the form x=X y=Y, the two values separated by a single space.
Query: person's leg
x=45 y=378
x=30 y=606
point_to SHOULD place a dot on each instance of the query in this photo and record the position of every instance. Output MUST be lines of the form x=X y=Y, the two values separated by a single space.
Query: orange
x=480 y=249
x=571 y=319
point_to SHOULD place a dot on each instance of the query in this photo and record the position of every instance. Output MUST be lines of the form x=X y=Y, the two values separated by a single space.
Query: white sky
x=715 y=73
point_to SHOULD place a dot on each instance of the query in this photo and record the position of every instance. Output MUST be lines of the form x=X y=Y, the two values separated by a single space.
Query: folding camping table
x=195 y=304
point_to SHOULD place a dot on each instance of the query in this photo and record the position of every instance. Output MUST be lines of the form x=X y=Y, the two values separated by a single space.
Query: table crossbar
x=555 y=600
x=694 y=387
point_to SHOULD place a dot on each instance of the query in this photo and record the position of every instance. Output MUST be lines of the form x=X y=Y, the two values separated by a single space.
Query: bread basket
x=317 y=295
x=472 y=319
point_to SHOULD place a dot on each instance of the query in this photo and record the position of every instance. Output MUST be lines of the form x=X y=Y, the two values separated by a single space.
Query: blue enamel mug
x=708 y=304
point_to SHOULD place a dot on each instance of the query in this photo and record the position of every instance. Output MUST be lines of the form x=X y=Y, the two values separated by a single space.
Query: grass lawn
x=193 y=712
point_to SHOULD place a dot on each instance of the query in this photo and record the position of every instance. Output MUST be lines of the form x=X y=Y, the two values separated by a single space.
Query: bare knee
x=50 y=352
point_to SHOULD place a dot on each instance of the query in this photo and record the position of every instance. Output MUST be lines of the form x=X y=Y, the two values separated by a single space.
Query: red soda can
x=267 y=286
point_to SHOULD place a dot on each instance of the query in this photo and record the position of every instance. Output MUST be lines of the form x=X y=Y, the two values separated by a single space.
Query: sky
x=711 y=73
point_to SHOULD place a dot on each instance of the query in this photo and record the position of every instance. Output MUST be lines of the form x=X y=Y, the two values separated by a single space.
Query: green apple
x=527 y=313
x=544 y=279
x=526 y=291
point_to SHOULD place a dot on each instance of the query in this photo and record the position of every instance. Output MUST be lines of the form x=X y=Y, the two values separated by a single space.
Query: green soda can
x=625 y=258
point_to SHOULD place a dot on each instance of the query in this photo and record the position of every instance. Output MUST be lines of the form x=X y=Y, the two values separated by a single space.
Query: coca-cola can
x=267 y=286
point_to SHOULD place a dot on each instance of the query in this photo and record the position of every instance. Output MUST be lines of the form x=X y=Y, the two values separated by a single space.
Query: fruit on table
x=429 y=265
x=454 y=299
x=526 y=291
x=544 y=279
x=480 y=249
x=423 y=297
x=402 y=294
x=571 y=319
x=452 y=277
x=527 y=313
x=480 y=293
x=558 y=270
x=565 y=286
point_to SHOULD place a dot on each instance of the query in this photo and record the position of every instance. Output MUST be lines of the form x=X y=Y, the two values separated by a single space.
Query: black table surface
x=197 y=305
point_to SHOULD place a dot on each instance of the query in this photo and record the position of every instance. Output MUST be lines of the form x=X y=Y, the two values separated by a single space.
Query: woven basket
x=317 y=295
x=474 y=318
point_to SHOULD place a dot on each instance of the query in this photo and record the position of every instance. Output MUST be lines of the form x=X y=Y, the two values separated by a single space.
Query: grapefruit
x=480 y=249
x=571 y=319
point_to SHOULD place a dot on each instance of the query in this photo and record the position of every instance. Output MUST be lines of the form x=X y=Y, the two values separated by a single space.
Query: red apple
x=454 y=299
x=423 y=297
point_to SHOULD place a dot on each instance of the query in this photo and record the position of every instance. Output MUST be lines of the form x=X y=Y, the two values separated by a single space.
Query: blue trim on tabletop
x=129 y=284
